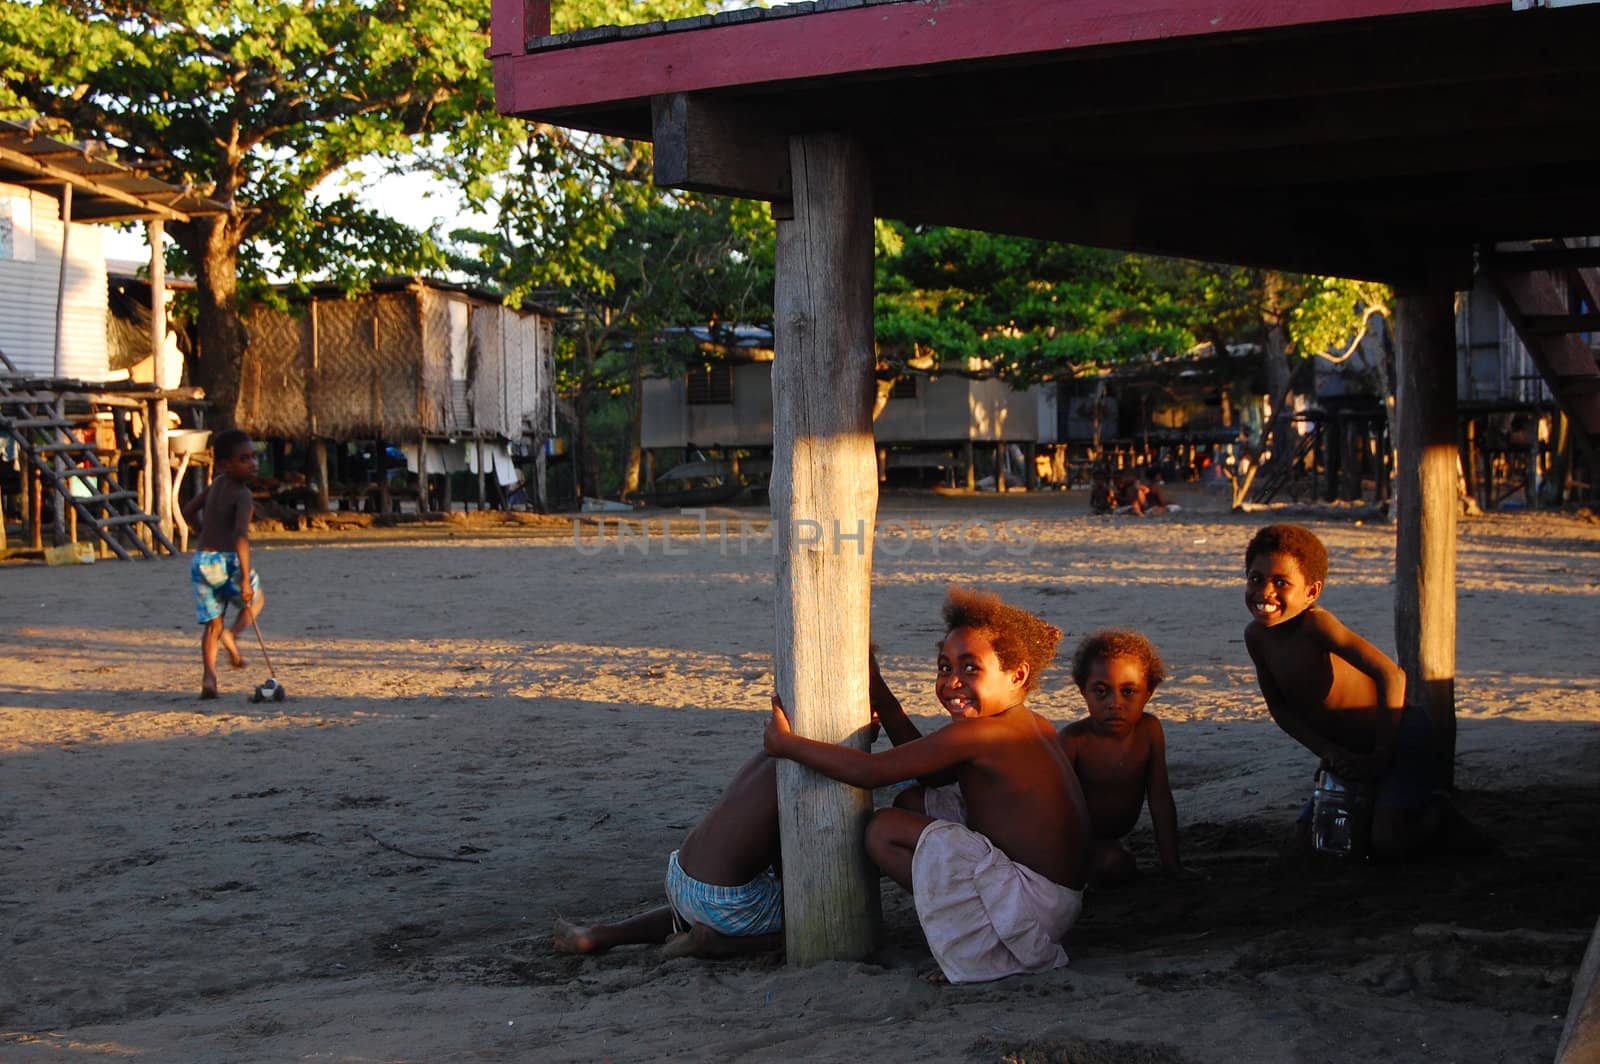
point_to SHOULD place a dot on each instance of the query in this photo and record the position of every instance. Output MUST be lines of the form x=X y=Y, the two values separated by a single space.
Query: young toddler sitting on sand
x=1120 y=752
x=997 y=864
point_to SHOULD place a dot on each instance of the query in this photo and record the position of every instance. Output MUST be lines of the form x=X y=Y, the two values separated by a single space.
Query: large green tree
x=1031 y=310
x=255 y=102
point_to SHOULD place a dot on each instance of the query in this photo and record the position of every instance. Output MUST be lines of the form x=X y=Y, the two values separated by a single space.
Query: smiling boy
x=1120 y=752
x=999 y=879
x=1335 y=693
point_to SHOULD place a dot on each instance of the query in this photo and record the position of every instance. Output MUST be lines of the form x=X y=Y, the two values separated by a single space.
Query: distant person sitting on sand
x=1120 y=752
x=1338 y=695
x=1152 y=499
x=724 y=884
x=1141 y=494
x=1102 y=497
x=996 y=865
x=220 y=571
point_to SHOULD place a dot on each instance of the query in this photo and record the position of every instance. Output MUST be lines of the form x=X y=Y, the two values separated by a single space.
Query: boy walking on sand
x=999 y=880
x=1120 y=752
x=220 y=571
x=1335 y=693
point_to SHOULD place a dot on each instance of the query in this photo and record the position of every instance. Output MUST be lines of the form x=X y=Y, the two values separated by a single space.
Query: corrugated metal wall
x=28 y=296
x=512 y=371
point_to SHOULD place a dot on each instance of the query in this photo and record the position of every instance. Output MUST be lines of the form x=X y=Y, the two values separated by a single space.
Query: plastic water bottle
x=1332 y=815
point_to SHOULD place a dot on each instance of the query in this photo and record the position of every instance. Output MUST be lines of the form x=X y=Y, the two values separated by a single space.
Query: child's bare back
x=1303 y=678
x=1016 y=767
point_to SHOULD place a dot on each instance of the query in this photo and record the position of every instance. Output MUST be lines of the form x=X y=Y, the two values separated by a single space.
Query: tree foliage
x=626 y=266
x=256 y=103
x=1031 y=310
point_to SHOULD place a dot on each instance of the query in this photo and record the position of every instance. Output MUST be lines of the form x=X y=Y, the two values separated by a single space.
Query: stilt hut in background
x=452 y=377
x=81 y=440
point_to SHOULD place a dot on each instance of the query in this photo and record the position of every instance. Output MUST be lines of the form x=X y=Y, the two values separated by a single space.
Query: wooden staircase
x=1550 y=291
x=33 y=415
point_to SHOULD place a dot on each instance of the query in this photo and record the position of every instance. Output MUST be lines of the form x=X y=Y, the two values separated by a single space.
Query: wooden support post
x=969 y=456
x=58 y=516
x=35 y=507
x=59 y=360
x=380 y=455
x=541 y=473
x=422 y=475
x=147 y=475
x=1032 y=472
x=319 y=462
x=1000 y=467
x=824 y=500
x=477 y=453
x=161 y=475
x=1426 y=506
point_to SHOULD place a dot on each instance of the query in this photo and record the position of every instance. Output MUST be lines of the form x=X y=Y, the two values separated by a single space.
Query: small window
x=905 y=387
x=16 y=227
x=711 y=384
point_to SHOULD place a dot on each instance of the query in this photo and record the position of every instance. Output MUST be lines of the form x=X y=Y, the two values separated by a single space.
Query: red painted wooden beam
x=882 y=37
x=512 y=22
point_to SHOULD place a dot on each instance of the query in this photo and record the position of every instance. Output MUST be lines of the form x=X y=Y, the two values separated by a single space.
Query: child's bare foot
x=570 y=938
x=935 y=977
x=231 y=645
x=702 y=941
x=208 y=691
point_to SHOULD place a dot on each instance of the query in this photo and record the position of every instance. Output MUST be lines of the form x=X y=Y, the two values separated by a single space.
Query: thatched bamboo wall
x=272 y=377
x=380 y=367
x=434 y=380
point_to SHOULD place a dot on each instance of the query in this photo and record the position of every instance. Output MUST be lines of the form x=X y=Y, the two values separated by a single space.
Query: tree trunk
x=582 y=464
x=630 y=476
x=824 y=500
x=1279 y=431
x=212 y=244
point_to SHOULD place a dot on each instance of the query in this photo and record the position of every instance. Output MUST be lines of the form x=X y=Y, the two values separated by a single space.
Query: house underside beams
x=1371 y=139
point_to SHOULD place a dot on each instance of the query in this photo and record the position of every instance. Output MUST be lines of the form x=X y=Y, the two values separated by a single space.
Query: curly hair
x=1018 y=636
x=1297 y=542
x=228 y=443
x=1117 y=643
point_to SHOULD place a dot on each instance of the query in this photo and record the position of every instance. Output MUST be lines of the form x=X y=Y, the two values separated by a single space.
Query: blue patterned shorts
x=753 y=909
x=215 y=576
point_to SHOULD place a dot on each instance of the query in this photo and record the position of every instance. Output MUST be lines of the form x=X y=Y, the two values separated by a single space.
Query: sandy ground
x=539 y=724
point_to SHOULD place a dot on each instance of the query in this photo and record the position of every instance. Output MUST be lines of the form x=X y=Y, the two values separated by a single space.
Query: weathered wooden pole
x=422 y=474
x=319 y=464
x=1425 y=506
x=824 y=500
x=164 y=488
